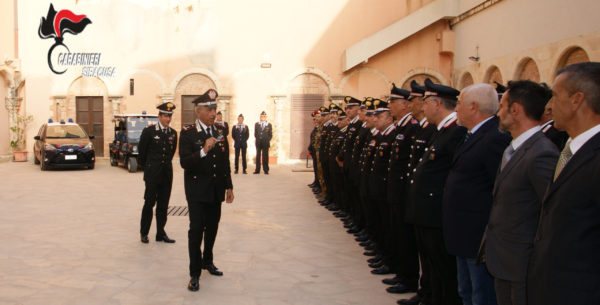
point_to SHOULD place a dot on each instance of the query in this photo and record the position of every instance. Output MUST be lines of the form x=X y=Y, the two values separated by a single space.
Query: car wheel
x=132 y=165
x=43 y=165
x=91 y=166
x=113 y=160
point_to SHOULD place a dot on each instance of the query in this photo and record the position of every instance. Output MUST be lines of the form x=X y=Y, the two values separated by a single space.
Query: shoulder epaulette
x=188 y=127
x=450 y=123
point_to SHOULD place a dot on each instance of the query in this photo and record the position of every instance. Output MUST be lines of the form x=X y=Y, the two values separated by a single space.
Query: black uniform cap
x=440 y=90
x=500 y=89
x=350 y=101
x=324 y=111
x=341 y=114
x=416 y=89
x=380 y=106
x=166 y=108
x=398 y=93
x=209 y=98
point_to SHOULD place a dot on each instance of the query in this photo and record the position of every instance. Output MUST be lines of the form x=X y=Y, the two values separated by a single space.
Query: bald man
x=468 y=193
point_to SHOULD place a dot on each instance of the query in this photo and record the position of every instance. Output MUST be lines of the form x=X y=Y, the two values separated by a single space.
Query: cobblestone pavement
x=72 y=237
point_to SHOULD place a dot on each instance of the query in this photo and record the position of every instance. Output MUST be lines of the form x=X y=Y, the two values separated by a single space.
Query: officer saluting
x=204 y=156
x=156 y=149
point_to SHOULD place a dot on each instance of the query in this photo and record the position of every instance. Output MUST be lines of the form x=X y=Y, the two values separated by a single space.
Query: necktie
x=467 y=136
x=166 y=130
x=209 y=131
x=565 y=156
x=508 y=152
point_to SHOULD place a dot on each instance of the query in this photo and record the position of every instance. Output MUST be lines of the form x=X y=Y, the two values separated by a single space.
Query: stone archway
x=527 y=69
x=492 y=75
x=571 y=55
x=466 y=80
x=365 y=82
x=420 y=79
x=185 y=91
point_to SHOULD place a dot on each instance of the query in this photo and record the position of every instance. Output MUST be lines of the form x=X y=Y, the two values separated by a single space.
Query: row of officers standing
x=462 y=195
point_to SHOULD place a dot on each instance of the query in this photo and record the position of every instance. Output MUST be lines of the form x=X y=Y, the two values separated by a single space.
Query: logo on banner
x=56 y=25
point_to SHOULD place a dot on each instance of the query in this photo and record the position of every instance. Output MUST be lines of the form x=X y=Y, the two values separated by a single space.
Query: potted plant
x=18 y=142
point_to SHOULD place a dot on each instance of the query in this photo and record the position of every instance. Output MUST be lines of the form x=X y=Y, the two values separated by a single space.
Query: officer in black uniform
x=219 y=122
x=426 y=191
x=337 y=173
x=332 y=130
x=204 y=156
x=311 y=147
x=156 y=149
x=263 y=132
x=240 y=134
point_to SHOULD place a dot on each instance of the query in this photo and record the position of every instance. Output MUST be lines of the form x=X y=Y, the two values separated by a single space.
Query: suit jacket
x=240 y=137
x=156 y=150
x=427 y=185
x=263 y=135
x=468 y=192
x=558 y=137
x=207 y=178
x=518 y=194
x=564 y=267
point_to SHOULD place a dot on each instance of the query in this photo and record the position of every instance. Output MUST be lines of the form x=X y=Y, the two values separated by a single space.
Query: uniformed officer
x=311 y=146
x=263 y=132
x=240 y=134
x=328 y=169
x=219 y=122
x=156 y=149
x=426 y=191
x=204 y=156
x=337 y=173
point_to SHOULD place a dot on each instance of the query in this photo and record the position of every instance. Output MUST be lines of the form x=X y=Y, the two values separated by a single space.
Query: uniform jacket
x=263 y=135
x=558 y=137
x=225 y=127
x=240 y=137
x=156 y=150
x=468 y=192
x=359 y=145
x=518 y=193
x=379 y=164
x=400 y=151
x=564 y=266
x=205 y=179
x=427 y=185
x=347 y=151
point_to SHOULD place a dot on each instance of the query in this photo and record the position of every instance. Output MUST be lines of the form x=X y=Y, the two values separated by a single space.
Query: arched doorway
x=466 y=80
x=187 y=89
x=493 y=75
x=528 y=70
x=308 y=91
x=571 y=56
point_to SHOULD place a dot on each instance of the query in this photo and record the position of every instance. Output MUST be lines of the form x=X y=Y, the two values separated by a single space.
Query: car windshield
x=65 y=131
x=135 y=125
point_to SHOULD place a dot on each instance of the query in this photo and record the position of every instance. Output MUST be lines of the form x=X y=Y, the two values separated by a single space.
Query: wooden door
x=301 y=122
x=90 y=116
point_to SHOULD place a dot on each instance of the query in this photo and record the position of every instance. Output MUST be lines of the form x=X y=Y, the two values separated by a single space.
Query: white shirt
x=524 y=137
x=581 y=139
x=423 y=121
x=354 y=120
x=200 y=126
x=472 y=131
x=401 y=121
x=445 y=120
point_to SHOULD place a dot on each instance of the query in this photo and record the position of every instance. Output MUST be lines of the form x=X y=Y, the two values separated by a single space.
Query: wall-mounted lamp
x=475 y=58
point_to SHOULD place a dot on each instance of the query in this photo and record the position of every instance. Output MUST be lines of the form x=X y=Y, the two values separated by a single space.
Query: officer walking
x=204 y=156
x=263 y=132
x=156 y=149
x=240 y=134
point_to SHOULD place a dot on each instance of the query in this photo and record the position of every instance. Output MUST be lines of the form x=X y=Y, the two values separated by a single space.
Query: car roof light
x=50 y=120
x=70 y=120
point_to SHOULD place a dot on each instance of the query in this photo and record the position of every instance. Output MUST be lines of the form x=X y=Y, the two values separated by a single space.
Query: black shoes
x=376 y=265
x=375 y=259
x=212 y=269
x=382 y=270
x=415 y=300
x=256 y=173
x=402 y=288
x=266 y=173
x=392 y=281
x=236 y=171
x=194 y=283
x=144 y=239
x=245 y=172
x=370 y=253
x=164 y=238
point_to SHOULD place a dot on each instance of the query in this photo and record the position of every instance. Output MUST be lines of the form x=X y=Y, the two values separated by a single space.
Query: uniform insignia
x=432 y=156
x=413 y=121
x=188 y=127
x=372 y=143
x=156 y=137
x=381 y=153
x=400 y=137
x=384 y=144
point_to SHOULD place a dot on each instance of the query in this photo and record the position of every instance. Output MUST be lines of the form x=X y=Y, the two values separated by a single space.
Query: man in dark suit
x=263 y=132
x=240 y=134
x=558 y=137
x=156 y=149
x=219 y=122
x=564 y=266
x=426 y=192
x=468 y=192
x=204 y=156
x=525 y=172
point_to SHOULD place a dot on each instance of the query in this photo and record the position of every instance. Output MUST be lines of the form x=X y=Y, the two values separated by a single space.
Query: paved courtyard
x=72 y=237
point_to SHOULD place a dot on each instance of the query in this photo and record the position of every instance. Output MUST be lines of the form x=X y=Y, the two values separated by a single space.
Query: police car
x=63 y=145
x=128 y=130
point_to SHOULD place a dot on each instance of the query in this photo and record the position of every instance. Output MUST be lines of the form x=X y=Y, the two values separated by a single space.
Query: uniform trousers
x=204 y=222
x=262 y=152
x=442 y=266
x=237 y=157
x=403 y=246
x=157 y=192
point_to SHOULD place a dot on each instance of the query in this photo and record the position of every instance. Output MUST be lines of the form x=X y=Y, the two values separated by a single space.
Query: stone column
x=223 y=106
x=116 y=103
x=61 y=107
x=279 y=101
